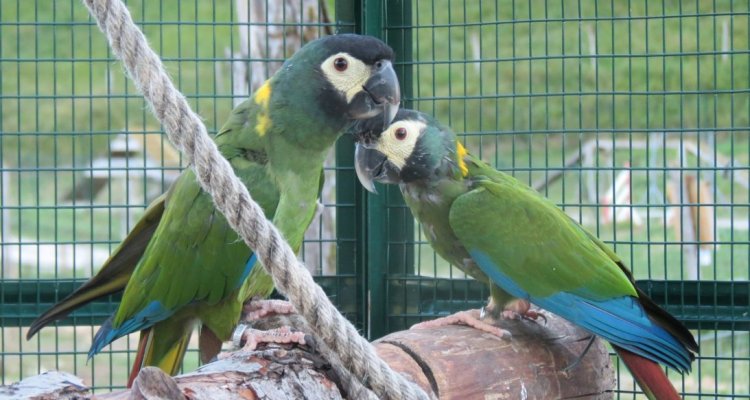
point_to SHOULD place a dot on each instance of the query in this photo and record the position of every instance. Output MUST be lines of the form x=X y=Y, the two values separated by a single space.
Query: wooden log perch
x=47 y=386
x=452 y=362
x=275 y=372
x=458 y=362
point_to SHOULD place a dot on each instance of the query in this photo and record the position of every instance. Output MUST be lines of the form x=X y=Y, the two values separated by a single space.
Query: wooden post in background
x=270 y=31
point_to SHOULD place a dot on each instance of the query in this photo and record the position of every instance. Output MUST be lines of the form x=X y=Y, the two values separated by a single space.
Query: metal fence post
x=376 y=227
x=390 y=226
x=350 y=198
x=400 y=238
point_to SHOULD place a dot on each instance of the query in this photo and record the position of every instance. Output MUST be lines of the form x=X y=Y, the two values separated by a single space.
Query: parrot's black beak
x=380 y=94
x=372 y=165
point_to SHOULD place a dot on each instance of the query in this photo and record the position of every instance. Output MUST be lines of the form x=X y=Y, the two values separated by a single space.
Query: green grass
x=597 y=71
x=58 y=71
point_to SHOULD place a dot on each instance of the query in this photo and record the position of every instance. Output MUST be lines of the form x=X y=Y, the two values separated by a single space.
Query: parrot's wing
x=531 y=249
x=114 y=274
x=181 y=265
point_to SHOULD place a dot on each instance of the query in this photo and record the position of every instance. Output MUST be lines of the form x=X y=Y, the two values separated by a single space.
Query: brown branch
x=452 y=362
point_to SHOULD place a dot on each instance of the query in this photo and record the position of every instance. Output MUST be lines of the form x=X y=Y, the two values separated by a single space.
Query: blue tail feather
x=631 y=338
x=150 y=315
x=248 y=268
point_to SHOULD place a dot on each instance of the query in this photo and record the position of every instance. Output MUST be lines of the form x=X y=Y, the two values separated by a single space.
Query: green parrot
x=500 y=231
x=182 y=265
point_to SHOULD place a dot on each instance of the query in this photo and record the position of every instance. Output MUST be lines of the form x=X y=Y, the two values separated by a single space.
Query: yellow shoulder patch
x=460 y=154
x=263 y=94
x=262 y=98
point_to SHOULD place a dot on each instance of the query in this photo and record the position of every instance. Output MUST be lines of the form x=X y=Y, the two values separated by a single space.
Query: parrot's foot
x=259 y=308
x=518 y=309
x=250 y=338
x=470 y=318
x=530 y=315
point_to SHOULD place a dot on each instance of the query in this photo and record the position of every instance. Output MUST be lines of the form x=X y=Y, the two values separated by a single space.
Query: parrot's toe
x=470 y=318
x=251 y=338
x=529 y=315
x=517 y=309
x=256 y=309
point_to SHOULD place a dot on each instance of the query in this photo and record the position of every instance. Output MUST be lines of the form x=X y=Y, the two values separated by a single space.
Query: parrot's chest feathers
x=431 y=206
x=428 y=196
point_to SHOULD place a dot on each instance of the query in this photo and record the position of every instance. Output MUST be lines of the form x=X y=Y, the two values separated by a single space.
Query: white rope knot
x=186 y=131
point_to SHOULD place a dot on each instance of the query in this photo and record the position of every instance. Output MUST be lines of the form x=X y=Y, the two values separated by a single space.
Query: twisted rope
x=186 y=131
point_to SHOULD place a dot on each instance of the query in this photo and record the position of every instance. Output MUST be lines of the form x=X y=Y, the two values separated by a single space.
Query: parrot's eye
x=340 y=64
x=400 y=133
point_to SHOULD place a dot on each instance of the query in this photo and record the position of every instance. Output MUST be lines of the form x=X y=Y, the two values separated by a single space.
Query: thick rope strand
x=186 y=131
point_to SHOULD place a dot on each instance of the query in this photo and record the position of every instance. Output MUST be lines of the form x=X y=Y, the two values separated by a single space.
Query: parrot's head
x=351 y=77
x=414 y=147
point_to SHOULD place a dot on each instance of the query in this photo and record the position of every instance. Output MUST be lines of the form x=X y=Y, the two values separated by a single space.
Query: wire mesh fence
x=633 y=116
x=82 y=157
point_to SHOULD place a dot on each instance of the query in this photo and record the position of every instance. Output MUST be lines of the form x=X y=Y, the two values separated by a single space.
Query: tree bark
x=451 y=362
x=275 y=372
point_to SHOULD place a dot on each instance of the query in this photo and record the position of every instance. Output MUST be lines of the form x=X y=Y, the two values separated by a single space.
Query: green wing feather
x=538 y=245
x=184 y=247
x=554 y=240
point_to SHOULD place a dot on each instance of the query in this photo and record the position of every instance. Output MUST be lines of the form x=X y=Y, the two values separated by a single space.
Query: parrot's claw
x=579 y=358
x=466 y=318
x=259 y=308
x=518 y=309
x=532 y=315
x=529 y=315
x=250 y=338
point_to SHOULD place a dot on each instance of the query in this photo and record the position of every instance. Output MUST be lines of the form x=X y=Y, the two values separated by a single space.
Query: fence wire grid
x=633 y=116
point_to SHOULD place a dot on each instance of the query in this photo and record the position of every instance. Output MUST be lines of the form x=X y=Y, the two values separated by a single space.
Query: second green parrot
x=501 y=231
x=182 y=265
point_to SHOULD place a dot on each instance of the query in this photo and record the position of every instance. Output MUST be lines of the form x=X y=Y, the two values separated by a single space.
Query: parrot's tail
x=649 y=375
x=163 y=346
x=95 y=288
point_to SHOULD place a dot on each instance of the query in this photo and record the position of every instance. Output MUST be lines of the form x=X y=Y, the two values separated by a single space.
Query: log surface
x=47 y=386
x=458 y=362
x=276 y=372
x=451 y=362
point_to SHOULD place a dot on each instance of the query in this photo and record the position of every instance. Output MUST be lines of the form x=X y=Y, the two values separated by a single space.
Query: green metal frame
x=718 y=305
x=374 y=229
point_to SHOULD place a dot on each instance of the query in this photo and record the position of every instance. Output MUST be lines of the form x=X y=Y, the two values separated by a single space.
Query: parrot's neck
x=448 y=177
x=431 y=205
x=439 y=191
x=303 y=122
